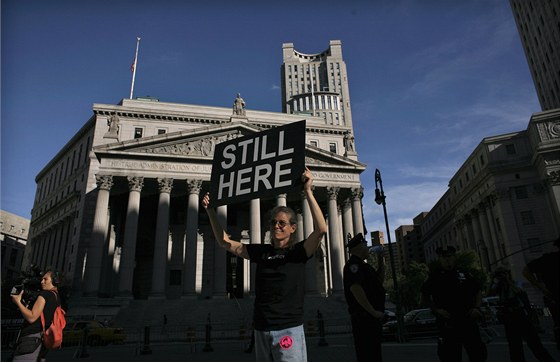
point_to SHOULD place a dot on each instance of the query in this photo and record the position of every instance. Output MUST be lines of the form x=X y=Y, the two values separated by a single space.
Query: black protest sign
x=262 y=164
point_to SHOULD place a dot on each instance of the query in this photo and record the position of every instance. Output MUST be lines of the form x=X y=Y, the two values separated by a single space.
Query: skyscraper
x=316 y=84
x=538 y=23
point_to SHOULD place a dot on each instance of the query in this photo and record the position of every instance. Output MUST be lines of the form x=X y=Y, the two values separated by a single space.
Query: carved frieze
x=200 y=147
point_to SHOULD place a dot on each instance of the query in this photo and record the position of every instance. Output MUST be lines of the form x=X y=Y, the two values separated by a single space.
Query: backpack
x=52 y=337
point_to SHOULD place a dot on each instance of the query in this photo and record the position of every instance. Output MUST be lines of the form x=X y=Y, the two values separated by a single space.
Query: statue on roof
x=239 y=106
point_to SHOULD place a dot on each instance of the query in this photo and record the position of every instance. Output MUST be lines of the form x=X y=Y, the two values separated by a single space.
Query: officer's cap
x=446 y=251
x=355 y=241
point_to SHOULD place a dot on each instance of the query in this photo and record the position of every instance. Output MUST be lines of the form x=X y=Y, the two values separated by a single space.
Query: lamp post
x=380 y=200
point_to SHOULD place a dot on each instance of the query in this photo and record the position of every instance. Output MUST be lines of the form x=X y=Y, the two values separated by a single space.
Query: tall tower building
x=538 y=26
x=316 y=84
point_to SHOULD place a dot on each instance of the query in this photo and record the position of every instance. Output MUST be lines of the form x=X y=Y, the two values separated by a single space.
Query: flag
x=133 y=65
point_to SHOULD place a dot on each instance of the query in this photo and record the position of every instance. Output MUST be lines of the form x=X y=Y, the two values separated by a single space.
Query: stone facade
x=14 y=231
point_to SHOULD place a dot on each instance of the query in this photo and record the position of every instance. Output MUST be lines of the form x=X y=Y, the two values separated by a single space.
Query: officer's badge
x=354 y=268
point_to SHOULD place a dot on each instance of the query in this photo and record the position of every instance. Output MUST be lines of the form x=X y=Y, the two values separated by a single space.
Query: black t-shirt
x=453 y=290
x=52 y=302
x=356 y=271
x=279 y=285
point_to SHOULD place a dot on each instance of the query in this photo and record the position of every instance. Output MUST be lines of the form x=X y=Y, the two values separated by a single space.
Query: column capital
x=194 y=186
x=104 y=182
x=553 y=178
x=304 y=195
x=357 y=192
x=165 y=185
x=332 y=191
x=346 y=203
x=135 y=183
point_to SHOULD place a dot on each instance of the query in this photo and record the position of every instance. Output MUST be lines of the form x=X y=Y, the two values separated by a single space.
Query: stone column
x=311 y=269
x=493 y=235
x=128 y=249
x=162 y=237
x=255 y=238
x=191 y=254
x=347 y=223
x=281 y=200
x=357 y=194
x=553 y=186
x=99 y=232
x=220 y=266
x=478 y=237
x=337 y=252
x=487 y=240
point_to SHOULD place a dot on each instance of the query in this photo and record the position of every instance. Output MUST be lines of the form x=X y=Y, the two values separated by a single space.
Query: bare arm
x=30 y=315
x=319 y=223
x=234 y=247
x=531 y=278
x=358 y=293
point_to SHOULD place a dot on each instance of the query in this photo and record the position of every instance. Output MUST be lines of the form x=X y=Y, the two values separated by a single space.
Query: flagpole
x=134 y=66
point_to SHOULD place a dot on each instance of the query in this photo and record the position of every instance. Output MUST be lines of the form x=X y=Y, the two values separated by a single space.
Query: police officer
x=365 y=295
x=455 y=296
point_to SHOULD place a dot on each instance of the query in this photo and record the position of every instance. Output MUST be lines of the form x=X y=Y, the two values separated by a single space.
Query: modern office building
x=537 y=23
x=13 y=235
x=316 y=84
x=117 y=209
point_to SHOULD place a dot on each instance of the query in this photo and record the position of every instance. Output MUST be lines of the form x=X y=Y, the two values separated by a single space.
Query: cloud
x=403 y=203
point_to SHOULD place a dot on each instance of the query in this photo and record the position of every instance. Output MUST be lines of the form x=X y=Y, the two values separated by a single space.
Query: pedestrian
x=455 y=298
x=542 y=273
x=515 y=311
x=29 y=346
x=279 y=277
x=365 y=295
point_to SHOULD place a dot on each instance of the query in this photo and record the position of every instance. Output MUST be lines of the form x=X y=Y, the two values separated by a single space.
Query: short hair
x=291 y=216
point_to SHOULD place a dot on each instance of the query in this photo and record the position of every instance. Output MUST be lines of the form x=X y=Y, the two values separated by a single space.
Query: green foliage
x=411 y=280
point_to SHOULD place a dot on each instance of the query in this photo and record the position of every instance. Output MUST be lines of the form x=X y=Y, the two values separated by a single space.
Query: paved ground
x=340 y=348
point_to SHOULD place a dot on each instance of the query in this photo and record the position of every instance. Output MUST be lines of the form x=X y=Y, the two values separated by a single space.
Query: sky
x=429 y=79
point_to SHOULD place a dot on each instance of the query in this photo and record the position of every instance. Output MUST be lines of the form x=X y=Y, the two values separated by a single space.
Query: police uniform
x=455 y=291
x=366 y=329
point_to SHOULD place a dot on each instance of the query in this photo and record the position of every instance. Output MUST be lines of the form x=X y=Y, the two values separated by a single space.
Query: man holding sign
x=280 y=277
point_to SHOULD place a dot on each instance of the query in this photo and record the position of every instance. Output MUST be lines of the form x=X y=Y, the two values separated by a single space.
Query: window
x=510 y=149
x=138 y=132
x=527 y=218
x=314 y=143
x=521 y=192
x=161 y=131
x=332 y=147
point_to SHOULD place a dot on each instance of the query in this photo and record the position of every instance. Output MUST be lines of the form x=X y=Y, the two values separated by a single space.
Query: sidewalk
x=340 y=348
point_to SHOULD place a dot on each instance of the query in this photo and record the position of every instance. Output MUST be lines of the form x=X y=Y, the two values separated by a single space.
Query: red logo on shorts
x=286 y=342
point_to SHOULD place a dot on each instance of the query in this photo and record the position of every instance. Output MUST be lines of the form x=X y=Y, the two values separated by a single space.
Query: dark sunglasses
x=280 y=223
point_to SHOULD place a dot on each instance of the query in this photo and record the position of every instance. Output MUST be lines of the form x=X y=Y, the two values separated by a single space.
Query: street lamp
x=380 y=200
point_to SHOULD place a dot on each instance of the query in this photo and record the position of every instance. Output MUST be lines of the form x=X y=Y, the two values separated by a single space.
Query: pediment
x=201 y=142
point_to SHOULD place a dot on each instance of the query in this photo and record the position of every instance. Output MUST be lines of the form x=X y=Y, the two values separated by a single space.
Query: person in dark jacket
x=455 y=298
x=515 y=311
x=365 y=295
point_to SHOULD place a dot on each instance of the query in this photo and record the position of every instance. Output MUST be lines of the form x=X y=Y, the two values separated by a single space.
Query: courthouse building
x=117 y=210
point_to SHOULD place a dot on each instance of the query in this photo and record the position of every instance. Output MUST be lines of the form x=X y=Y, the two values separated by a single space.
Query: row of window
x=63 y=171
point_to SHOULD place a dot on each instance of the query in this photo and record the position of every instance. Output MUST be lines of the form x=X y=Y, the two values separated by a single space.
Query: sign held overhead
x=262 y=164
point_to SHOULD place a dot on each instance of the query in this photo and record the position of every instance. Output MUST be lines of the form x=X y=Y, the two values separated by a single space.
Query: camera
x=30 y=283
x=16 y=289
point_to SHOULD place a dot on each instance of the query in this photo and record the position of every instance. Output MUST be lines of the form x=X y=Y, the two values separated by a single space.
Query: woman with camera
x=29 y=343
